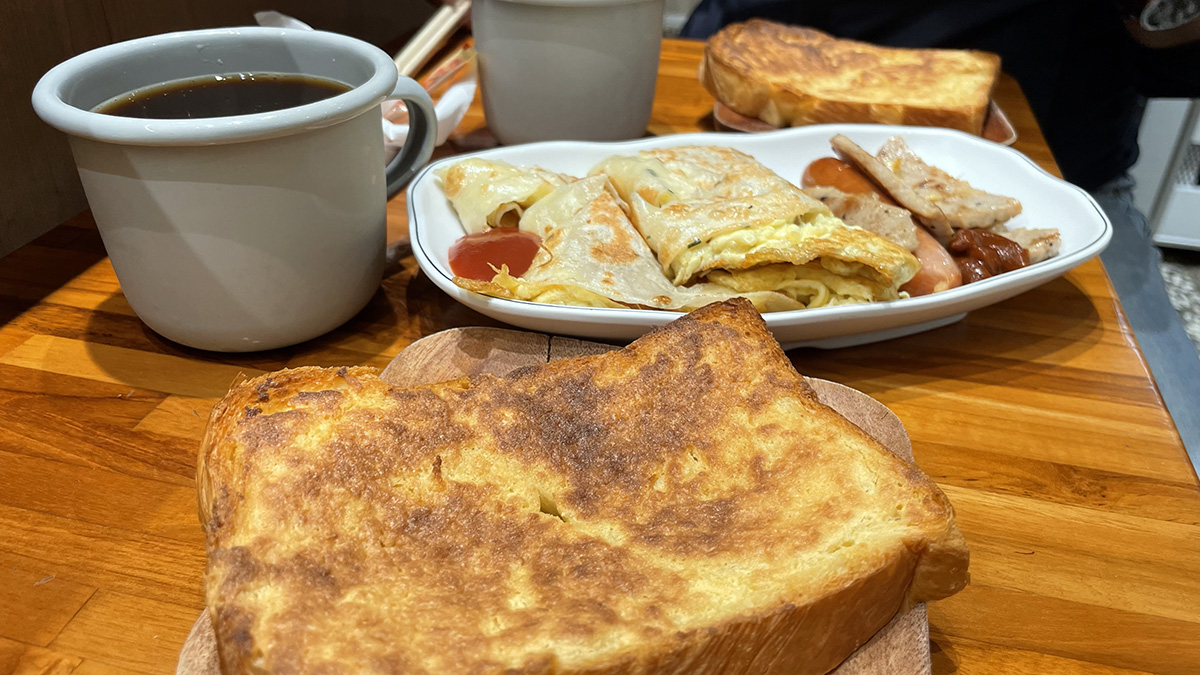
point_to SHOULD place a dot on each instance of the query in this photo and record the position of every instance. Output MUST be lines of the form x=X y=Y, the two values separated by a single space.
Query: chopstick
x=431 y=36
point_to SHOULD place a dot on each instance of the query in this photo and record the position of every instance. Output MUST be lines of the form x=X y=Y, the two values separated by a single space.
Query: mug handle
x=422 y=133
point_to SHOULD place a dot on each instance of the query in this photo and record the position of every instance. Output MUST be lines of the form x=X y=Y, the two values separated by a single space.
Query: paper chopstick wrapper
x=432 y=36
x=451 y=107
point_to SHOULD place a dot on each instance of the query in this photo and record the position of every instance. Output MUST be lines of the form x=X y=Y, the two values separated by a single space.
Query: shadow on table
x=31 y=273
x=943 y=655
x=1030 y=335
x=356 y=342
x=431 y=310
x=405 y=308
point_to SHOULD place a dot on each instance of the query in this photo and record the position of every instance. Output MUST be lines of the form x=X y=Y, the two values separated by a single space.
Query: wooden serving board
x=899 y=648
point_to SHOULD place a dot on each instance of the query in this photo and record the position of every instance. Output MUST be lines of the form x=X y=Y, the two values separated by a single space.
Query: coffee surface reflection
x=222 y=96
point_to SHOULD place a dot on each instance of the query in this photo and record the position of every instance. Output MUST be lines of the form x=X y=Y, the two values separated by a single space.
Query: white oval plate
x=1047 y=201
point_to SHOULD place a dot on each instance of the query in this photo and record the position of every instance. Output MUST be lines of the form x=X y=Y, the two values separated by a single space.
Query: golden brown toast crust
x=792 y=76
x=684 y=505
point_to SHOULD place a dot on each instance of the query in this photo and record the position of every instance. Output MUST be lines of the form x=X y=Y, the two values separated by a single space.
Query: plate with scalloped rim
x=1047 y=202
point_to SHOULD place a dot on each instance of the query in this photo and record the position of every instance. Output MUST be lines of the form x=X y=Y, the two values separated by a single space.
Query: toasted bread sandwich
x=683 y=505
x=792 y=76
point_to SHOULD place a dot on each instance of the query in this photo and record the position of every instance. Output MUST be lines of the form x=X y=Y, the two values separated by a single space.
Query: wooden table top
x=1037 y=416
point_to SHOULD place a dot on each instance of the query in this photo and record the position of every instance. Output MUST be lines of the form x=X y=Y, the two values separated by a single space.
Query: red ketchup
x=474 y=255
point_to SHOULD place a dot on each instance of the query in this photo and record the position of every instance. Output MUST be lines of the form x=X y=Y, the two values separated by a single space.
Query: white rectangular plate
x=1047 y=202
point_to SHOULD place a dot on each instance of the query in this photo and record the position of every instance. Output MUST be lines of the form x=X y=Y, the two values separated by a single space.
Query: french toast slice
x=792 y=76
x=683 y=505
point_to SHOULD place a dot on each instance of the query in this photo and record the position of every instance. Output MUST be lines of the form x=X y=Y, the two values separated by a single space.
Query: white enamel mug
x=246 y=232
x=580 y=70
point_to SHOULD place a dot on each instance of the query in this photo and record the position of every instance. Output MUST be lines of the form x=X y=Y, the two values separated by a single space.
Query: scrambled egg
x=549 y=293
x=745 y=242
x=812 y=285
x=825 y=280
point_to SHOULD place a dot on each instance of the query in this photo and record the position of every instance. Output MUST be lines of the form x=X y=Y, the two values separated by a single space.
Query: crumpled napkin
x=450 y=107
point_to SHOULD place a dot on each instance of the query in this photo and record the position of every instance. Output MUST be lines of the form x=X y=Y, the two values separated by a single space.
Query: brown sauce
x=981 y=254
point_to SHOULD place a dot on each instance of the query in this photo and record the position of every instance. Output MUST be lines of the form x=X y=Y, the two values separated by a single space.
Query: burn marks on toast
x=605 y=435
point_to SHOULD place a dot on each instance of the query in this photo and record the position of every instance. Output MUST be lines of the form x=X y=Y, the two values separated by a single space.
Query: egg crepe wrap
x=592 y=256
x=716 y=214
x=487 y=194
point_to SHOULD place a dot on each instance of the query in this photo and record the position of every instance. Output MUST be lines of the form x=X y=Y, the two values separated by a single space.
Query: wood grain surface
x=1037 y=416
x=899 y=648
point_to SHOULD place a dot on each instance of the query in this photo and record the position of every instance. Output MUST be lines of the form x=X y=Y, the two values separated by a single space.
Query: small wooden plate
x=997 y=128
x=899 y=648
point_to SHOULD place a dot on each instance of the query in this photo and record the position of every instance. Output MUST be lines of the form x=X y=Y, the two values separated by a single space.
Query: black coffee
x=222 y=96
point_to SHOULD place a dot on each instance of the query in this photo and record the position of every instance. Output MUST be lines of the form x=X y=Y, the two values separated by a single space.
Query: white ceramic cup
x=567 y=69
x=246 y=232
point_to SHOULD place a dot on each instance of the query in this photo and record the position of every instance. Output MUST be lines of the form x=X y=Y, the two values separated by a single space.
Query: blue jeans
x=1132 y=263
